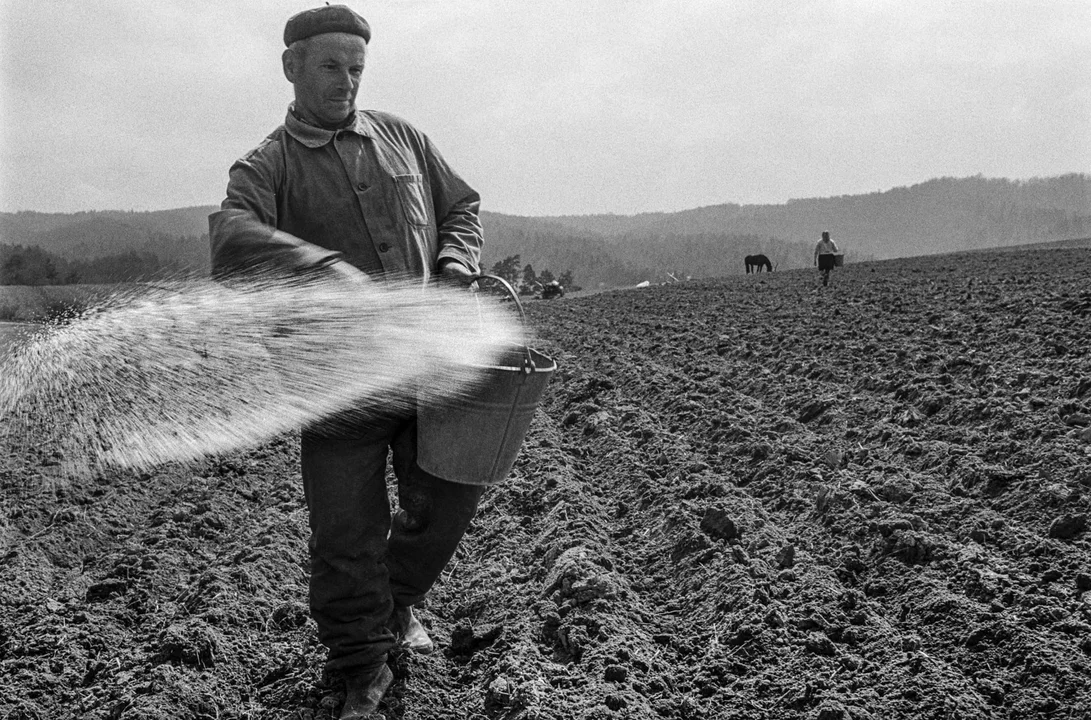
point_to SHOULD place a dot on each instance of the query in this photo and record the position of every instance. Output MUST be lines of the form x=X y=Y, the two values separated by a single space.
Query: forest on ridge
x=602 y=251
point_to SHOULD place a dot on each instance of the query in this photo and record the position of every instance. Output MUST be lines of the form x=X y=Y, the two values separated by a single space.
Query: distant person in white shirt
x=824 y=253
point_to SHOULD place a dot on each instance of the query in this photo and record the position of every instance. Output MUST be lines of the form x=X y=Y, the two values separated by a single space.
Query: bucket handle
x=528 y=360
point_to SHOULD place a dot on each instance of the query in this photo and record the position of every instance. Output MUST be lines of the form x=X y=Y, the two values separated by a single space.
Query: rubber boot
x=364 y=691
x=410 y=633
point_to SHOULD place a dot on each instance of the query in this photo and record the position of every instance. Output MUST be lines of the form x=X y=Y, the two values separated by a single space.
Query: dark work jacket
x=376 y=193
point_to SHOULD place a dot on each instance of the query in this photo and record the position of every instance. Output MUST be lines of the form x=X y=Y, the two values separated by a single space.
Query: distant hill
x=106 y=231
x=108 y=246
x=941 y=215
x=1069 y=244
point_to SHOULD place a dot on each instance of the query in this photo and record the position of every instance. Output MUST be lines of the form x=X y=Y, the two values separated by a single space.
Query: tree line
x=940 y=215
x=21 y=265
x=526 y=280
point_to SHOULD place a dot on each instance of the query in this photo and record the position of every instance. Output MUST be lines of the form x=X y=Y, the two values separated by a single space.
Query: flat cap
x=326 y=19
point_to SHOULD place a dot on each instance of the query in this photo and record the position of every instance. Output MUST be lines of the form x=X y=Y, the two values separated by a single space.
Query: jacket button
x=383 y=247
x=361 y=186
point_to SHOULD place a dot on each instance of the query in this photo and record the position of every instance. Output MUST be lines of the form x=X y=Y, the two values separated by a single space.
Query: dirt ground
x=745 y=498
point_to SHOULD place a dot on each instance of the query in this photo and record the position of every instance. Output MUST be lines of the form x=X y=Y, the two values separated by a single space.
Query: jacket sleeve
x=243 y=234
x=243 y=245
x=459 y=232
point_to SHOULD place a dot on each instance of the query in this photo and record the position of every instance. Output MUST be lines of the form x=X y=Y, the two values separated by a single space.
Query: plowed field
x=745 y=498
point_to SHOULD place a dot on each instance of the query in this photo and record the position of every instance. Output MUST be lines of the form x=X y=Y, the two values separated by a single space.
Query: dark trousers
x=363 y=560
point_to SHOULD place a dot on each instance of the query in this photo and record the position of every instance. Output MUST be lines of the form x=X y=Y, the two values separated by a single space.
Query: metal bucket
x=838 y=260
x=475 y=440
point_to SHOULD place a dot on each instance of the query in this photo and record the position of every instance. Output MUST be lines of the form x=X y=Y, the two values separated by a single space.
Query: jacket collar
x=313 y=136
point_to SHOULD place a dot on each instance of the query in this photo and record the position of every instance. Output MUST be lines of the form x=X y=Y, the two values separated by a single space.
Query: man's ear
x=288 y=60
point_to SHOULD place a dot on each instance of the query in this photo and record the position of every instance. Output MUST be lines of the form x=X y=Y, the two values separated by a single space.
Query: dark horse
x=757 y=262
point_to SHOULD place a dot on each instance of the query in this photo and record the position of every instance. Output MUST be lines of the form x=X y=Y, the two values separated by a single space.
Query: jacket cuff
x=243 y=245
x=461 y=257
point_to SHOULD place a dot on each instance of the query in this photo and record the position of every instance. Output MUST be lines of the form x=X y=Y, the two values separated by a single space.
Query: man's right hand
x=344 y=271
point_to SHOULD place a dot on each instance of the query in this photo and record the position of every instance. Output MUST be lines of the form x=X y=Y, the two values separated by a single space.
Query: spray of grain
x=181 y=370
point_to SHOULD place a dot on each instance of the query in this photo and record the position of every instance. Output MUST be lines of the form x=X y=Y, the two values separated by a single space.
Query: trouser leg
x=432 y=519
x=345 y=487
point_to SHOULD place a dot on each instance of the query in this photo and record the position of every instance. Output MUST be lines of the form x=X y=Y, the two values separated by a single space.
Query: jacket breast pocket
x=412 y=197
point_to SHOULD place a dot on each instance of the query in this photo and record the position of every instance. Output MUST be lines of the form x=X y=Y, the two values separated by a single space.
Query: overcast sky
x=560 y=107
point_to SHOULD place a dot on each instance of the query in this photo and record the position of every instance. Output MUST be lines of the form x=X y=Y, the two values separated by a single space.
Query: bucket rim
x=540 y=362
x=528 y=369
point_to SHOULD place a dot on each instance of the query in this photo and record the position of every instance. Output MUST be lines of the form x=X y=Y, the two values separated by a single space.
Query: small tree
x=530 y=280
x=50 y=271
x=508 y=268
x=567 y=282
x=546 y=277
x=12 y=272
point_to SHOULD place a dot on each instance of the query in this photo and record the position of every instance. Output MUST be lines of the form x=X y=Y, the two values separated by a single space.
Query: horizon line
x=978 y=176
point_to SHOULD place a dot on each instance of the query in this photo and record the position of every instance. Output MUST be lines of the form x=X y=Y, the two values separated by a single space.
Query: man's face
x=327 y=77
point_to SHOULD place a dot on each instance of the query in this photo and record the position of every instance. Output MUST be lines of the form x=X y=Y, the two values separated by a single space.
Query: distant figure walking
x=757 y=262
x=825 y=257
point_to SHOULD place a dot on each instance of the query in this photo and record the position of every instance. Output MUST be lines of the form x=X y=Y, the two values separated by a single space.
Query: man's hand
x=455 y=272
x=344 y=271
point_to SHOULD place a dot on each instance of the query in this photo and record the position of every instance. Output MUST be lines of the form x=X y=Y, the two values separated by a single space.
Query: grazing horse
x=757 y=262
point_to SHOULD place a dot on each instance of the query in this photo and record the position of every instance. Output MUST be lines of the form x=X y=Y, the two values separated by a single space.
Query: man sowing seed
x=335 y=184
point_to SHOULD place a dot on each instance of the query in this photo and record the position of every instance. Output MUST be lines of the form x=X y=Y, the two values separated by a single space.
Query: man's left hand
x=455 y=272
